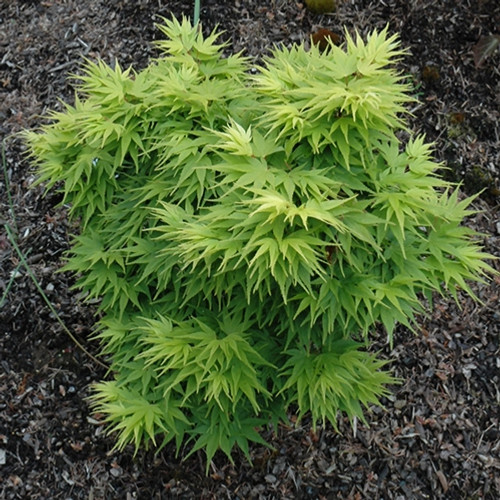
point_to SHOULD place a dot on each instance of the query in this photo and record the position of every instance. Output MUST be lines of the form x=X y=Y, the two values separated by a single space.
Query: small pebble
x=270 y=478
x=400 y=403
x=115 y=471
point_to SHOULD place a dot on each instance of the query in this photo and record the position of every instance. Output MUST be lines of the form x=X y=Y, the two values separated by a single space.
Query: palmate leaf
x=235 y=139
x=135 y=418
x=324 y=383
x=224 y=366
x=181 y=40
x=217 y=430
x=104 y=83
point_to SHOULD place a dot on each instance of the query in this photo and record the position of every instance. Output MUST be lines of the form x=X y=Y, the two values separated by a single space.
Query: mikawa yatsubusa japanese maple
x=245 y=231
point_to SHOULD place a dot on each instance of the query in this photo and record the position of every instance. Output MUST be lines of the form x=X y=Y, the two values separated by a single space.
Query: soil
x=438 y=435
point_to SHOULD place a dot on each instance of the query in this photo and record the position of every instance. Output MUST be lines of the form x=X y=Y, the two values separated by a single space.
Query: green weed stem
x=196 y=13
x=7 y=187
x=23 y=262
x=46 y=299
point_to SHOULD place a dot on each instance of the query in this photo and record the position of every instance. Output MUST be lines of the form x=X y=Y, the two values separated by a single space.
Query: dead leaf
x=442 y=480
x=484 y=48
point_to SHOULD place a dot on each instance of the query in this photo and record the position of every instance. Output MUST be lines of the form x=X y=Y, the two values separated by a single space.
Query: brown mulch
x=439 y=433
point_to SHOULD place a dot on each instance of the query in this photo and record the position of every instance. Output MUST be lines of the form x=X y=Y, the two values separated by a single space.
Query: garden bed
x=438 y=436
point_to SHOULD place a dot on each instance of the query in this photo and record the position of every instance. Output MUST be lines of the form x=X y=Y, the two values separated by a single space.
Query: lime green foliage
x=246 y=231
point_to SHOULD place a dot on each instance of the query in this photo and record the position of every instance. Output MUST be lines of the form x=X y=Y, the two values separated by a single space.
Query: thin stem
x=45 y=298
x=7 y=187
x=9 y=284
x=196 y=14
x=11 y=209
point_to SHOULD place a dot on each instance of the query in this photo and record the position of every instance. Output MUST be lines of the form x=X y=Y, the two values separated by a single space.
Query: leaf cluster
x=245 y=230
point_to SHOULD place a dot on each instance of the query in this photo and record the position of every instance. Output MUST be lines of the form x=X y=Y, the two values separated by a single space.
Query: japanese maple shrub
x=246 y=230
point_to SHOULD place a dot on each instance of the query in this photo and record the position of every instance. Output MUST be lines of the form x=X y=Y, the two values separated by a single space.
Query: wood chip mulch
x=438 y=435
